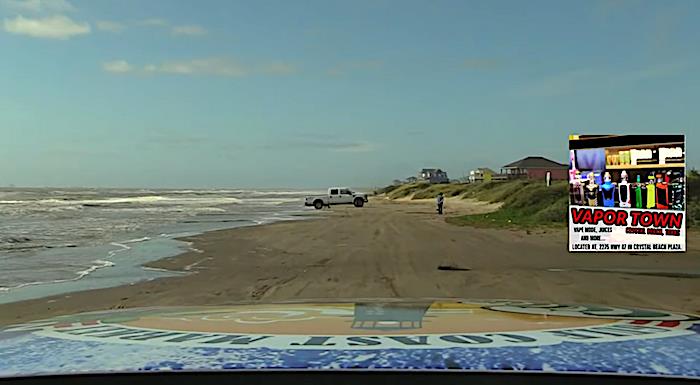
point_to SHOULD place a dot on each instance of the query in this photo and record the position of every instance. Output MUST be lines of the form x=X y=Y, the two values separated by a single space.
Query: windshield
x=183 y=153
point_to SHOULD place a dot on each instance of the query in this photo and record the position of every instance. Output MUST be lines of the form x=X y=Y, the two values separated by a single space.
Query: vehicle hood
x=470 y=335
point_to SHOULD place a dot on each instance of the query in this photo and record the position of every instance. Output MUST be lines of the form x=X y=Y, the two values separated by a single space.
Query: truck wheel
x=318 y=204
x=359 y=202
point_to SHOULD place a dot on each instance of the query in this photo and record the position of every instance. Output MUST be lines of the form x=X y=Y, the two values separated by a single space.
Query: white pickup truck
x=336 y=196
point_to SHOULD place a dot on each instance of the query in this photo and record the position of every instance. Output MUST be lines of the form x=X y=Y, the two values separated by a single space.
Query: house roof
x=431 y=170
x=535 y=162
x=485 y=169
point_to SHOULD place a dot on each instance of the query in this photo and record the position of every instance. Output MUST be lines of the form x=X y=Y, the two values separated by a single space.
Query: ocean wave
x=135 y=240
x=64 y=208
x=139 y=200
x=163 y=270
x=282 y=193
x=183 y=210
x=98 y=264
x=217 y=221
x=145 y=199
x=271 y=201
x=115 y=219
x=279 y=218
x=15 y=240
x=121 y=245
x=165 y=197
x=206 y=192
x=23 y=244
x=124 y=245
x=207 y=210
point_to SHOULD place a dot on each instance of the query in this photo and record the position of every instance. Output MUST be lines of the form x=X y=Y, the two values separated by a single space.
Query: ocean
x=56 y=241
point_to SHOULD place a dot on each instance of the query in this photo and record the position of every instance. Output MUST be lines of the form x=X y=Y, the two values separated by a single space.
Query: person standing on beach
x=440 y=202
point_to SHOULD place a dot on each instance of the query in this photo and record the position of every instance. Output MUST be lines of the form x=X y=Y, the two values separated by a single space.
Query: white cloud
x=323 y=143
x=603 y=9
x=154 y=22
x=109 y=26
x=344 y=68
x=559 y=84
x=352 y=147
x=279 y=68
x=117 y=66
x=207 y=66
x=213 y=66
x=38 y=5
x=477 y=63
x=587 y=79
x=188 y=30
x=53 y=27
x=654 y=72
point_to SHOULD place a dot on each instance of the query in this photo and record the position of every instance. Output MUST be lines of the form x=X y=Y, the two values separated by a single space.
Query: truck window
x=345 y=192
x=334 y=191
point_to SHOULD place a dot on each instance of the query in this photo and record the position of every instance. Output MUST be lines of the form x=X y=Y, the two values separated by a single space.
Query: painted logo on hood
x=368 y=326
x=446 y=335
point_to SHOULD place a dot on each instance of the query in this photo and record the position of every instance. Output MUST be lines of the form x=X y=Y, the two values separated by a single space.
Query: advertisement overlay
x=627 y=193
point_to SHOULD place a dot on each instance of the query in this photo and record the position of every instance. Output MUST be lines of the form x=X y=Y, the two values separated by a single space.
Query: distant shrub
x=692 y=181
x=693 y=198
x=503 y=190
x=525 y=203
x=387 y=189
x=449 y=190
x=534 y=197
x=407 y=189
x=555 y=212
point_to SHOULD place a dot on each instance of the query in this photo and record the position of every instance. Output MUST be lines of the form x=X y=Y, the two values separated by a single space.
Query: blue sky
x=314 y=93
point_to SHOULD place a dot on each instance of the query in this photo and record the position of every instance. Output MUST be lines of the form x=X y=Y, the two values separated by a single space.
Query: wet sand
x=393 y=250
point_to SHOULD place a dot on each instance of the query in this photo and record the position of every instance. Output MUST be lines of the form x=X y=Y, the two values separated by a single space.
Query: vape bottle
x=651 y=193
x=624 y=191
x=662 y=201
x=576 y=189
x=572 y=161
x=677 y=190
x=591 y=190
x=638 y=193
x=608 y=191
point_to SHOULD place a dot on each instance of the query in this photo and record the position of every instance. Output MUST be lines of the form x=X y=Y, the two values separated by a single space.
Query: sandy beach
x=393 y=249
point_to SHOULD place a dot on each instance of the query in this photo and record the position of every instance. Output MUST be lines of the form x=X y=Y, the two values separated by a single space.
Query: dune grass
x=422 y=190
x=407 y=189
x=387 y=189
x=525 y=204
x=449 y=190
x=495 y=191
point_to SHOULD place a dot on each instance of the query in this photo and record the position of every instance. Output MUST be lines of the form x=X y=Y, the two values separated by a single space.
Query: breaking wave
x=142 y=200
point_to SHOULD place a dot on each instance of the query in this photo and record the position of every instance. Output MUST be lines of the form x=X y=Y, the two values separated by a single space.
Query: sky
x=223 y=93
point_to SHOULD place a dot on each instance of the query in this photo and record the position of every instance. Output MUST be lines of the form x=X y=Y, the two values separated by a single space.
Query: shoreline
x=386 y=250
x=101 y=275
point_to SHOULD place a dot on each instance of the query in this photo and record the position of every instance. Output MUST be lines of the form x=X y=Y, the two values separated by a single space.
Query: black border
x=599 y=141
x=350 y=377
